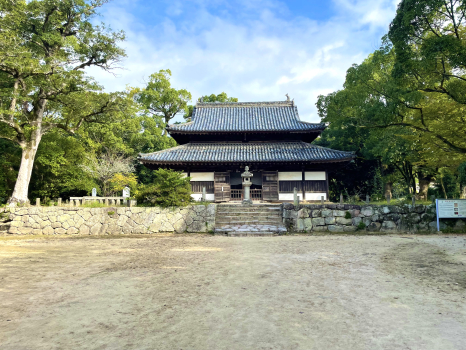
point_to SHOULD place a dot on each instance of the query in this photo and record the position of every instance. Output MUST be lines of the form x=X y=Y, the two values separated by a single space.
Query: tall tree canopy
x=161 y=99
x=45 y=46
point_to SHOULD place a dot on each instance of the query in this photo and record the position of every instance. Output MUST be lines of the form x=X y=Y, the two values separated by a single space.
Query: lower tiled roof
x=255 y=152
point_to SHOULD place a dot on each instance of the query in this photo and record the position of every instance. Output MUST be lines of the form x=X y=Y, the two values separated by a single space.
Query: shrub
x=111 y=213
x=170 y=189
x=361 y=226
x=347 y=215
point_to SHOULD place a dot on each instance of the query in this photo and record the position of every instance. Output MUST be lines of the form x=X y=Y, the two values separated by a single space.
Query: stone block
x=300 y=225
x=366 y=221
x=197 y=226
x=386 y=210
x=303 y=213
x=45 y=223
x=122 y=220
x=459 y=225
x=25 y=230
x=330 y=220
x=64 y=218
x=316 y=213
x=356 y=212
x=308 y=224
x=349 y=228
x=95 y=229
x=48 y=230
x=37 y=231
x=374 y=226
x=335 y=228
x=388 y=226
x=84 y=230
x=65 y=225
x=343 y=221
x=339 y=213
x=375 y=217
x=56 y=224
x=13 y=230
x=73 y=231
x=211 y=209
x=326 y=213
x=318 y=222
x=427 y=217
x=60 y=231
x=167 y=227
x=367 y=211
x=413 y=218
x=139 y=229
x=419 y=209
x=127 y=229
x=356 y=221
x=180 y=226
x=320 y=228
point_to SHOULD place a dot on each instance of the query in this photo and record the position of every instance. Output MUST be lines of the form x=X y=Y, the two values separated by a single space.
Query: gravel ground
x=208 y=292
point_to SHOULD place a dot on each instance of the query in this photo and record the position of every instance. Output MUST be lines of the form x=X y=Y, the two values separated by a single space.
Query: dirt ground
x=207 y=292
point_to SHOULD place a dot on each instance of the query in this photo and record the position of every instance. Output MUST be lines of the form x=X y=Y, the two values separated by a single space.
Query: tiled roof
x=247 y=152
x=245 y=117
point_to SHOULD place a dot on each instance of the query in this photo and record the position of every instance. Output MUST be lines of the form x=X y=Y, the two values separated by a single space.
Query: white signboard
x=451 y=208
x=126 y=192
x=94 y=192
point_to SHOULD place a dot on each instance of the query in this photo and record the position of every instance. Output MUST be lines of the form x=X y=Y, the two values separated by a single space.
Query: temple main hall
x=223 y=138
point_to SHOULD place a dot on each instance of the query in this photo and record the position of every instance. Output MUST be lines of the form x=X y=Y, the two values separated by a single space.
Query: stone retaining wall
x=346 y=218
x=110 y=220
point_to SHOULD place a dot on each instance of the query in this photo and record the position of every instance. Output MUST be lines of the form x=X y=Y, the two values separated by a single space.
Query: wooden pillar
x=303 y=179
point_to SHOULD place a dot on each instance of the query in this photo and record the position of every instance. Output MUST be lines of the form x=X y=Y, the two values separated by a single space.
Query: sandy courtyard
x=207 y=292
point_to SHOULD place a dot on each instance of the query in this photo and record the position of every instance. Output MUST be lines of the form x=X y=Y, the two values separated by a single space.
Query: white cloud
x=258 y=56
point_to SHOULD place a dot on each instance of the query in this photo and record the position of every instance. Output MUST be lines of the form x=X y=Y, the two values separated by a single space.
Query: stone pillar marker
x=388 y=198
x=94 y=192
x=247 y=185
x=432 y=198
x=204 y=194
x=59 y=202
x=295 y=197
x=368 y=199
x=414 y=200
x=322 y=200
x=38 y=202
x=341 y=198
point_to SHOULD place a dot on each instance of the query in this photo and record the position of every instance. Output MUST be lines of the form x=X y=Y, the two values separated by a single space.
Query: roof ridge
x=246 y=104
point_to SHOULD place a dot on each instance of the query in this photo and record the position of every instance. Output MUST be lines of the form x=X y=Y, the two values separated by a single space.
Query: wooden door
x=222 y=189
x=270 y=186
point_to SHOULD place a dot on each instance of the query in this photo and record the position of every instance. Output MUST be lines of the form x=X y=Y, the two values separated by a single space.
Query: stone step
x=251 y=234
x=247 y=217
x=242 y=211
x=250 y=222
x=250 y=228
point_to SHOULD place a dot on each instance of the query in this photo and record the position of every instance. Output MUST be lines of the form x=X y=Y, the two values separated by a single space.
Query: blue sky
x=256 y=50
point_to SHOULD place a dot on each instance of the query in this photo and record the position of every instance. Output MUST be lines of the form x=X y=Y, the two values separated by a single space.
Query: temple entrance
x=237 y=187
x=222 y=190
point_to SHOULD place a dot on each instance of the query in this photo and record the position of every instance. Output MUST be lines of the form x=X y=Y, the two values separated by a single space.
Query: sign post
x=450 y=209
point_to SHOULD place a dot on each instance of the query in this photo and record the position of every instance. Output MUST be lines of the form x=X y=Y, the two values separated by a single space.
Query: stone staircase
x=238 y=220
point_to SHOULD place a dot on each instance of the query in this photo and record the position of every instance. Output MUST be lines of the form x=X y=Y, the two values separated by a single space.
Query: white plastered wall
x=315 y=196
x=202 y=176
x=290 y=176
x=289 y=196
x=198 y=197
x=315 y=175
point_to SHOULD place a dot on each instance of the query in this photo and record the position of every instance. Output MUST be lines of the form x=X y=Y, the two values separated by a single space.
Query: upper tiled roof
x=245 y=117
x=247 y=152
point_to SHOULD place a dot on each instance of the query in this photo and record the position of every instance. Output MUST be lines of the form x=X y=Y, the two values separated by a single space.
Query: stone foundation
x=347 y=218
x=110 y=220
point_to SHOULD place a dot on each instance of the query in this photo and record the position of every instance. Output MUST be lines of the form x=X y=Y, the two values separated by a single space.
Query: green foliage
x=170 y=189
x=45 y=46
x=110 y=213
x=160 y=99
x=348 y=215
x=361 y=226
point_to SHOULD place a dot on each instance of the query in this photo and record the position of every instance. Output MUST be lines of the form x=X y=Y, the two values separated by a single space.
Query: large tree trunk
x=20 y=193
x=388 y=189
x=463 y=193
x=29 y=147
x=424 y=182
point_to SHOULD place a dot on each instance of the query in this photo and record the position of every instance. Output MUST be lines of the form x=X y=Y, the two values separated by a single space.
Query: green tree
x=169 y=189
x=161 y=99
x=428 y=37
x=44 y=48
